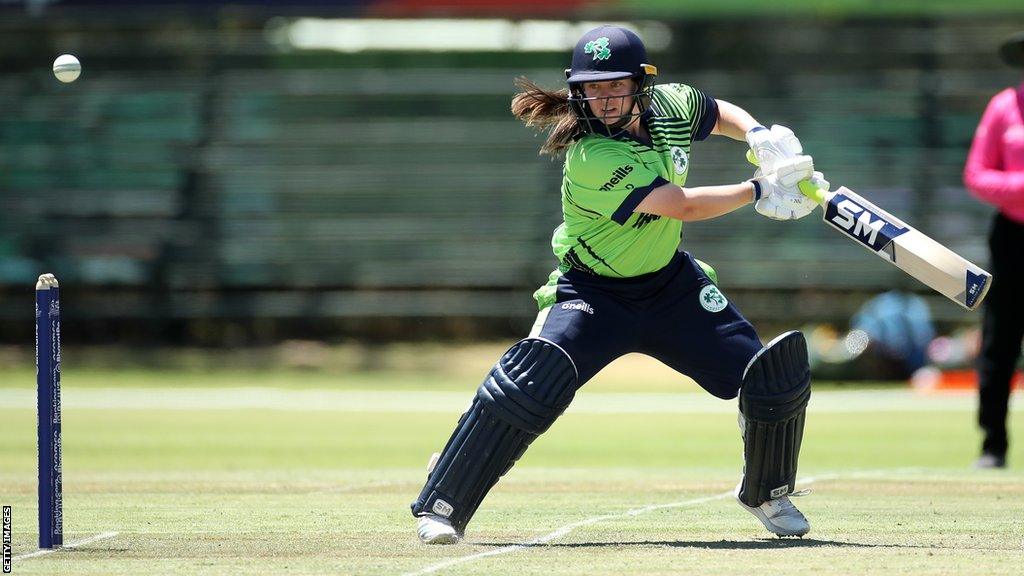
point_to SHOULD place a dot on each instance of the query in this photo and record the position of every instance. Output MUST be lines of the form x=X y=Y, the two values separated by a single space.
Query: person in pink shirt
x=994 y=174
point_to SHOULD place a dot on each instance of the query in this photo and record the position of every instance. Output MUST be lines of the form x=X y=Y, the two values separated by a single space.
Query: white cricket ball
x=66 y=68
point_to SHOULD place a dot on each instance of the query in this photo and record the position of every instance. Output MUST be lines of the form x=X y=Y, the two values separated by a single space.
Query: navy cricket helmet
x=609 y=53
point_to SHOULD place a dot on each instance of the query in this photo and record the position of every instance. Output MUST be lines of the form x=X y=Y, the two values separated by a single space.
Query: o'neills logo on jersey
x=618 y=176
x=583 y=306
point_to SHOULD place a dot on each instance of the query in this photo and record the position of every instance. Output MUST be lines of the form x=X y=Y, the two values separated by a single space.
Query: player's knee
x=723 y=387
x=777 y=383
x=744 y=345
x=530 y=386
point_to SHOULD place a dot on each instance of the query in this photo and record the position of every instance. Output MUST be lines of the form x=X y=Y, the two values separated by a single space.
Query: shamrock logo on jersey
x=712 y=299
x=599 y=48
x=679 y=159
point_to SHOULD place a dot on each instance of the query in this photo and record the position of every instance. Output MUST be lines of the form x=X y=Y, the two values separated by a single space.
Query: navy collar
x=645 y=118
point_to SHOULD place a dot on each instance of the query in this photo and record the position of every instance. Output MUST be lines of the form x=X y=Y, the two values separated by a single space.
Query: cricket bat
x=904 y=246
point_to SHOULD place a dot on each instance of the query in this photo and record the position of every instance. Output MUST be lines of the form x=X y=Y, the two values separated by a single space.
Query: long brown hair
x=547 y=110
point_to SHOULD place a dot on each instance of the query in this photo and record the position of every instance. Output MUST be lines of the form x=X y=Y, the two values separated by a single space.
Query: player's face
x=614 y=98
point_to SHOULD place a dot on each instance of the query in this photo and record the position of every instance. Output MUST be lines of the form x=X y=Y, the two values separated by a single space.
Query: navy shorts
x=676 y=315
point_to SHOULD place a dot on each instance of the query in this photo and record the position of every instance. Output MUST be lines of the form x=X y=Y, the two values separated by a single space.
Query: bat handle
x=807 y=188
x=751 y=158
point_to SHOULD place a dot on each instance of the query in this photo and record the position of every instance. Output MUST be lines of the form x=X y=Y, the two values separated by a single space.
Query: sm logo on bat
x=862 y=223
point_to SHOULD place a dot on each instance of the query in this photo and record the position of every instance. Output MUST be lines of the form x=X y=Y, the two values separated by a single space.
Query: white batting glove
x=818 y=179
x=777 y=195
x=770 y=147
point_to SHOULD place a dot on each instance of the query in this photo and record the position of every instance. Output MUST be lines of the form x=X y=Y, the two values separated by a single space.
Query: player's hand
x=780 y=198
x=769 y=147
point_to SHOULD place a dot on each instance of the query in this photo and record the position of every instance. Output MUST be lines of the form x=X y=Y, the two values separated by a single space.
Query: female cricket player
x=623 y=285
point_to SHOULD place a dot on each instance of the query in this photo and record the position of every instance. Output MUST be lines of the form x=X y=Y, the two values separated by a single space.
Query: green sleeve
x=604 y=177
x=687 y=102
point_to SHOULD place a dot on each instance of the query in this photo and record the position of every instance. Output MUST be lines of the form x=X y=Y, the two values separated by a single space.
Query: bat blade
x=904 y=246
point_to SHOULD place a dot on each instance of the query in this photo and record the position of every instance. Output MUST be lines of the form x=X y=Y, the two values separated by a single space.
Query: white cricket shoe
x=779 y=516
x=436 y=530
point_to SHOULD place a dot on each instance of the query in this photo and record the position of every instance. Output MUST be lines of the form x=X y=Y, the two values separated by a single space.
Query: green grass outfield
x=311 y=472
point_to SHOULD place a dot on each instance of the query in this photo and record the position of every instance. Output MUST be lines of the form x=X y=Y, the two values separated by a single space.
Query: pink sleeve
x=984 y=173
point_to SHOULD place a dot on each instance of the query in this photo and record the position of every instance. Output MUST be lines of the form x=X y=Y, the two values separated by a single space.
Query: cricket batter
x=623 y=284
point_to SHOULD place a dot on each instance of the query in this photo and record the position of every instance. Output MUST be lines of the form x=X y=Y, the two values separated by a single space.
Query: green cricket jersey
x=605 y=178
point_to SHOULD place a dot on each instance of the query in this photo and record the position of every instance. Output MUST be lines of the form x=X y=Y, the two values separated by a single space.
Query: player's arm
x=984 y=175
x=775 y=195
x=767 y=146
x=699 y=203
x=733 y=121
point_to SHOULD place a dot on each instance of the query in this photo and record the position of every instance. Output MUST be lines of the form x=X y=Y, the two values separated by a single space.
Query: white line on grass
x=564 y=530
x=75 y=544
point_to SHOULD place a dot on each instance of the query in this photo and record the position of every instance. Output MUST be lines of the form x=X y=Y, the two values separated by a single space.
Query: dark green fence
x=197 y=172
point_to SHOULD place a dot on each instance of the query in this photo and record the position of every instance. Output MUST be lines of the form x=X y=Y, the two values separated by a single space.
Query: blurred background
x=238 y=175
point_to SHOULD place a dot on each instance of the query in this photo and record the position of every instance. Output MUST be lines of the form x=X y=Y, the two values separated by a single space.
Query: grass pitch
x=299 y=472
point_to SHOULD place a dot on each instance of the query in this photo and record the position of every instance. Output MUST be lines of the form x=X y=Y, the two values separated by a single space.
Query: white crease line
x=76 y=544
x=564 y=530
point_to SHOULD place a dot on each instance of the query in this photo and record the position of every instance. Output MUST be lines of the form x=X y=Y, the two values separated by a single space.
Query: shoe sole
x=441 y=539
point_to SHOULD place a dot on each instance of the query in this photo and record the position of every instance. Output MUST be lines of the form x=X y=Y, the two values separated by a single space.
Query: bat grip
x=807 y=188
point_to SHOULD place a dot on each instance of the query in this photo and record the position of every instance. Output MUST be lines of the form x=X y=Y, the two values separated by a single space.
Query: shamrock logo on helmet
x=599 y=48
